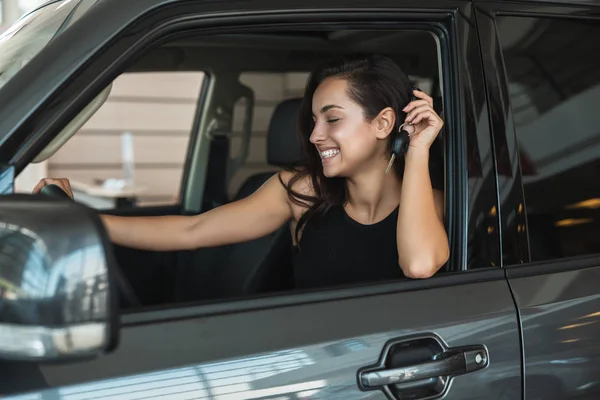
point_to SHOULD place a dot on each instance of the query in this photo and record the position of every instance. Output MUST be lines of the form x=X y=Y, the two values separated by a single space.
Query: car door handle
x=455 y=364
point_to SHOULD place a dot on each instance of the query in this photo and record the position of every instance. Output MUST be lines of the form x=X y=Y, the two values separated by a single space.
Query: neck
x=373 y=194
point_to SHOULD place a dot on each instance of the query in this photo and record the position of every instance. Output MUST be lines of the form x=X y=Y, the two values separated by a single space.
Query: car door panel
x=317 y=347
x=150 y=273
x=559 y=317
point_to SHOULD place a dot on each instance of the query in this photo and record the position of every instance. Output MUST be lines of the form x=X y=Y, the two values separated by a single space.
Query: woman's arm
x=421 y=235
x=255 y=216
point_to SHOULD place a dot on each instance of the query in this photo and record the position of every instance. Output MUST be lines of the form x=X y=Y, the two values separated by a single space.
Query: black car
x=515 y=313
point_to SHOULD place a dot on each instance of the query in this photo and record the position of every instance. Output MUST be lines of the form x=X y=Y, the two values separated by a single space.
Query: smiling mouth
x=330 y=153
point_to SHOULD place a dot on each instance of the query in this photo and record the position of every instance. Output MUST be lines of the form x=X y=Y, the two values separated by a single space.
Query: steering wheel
x=126 y=293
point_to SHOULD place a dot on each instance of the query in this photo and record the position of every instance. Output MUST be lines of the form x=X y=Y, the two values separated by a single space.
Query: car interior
x=225 y=112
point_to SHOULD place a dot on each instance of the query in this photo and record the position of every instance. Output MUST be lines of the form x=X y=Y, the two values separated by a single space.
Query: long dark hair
x=374 y=83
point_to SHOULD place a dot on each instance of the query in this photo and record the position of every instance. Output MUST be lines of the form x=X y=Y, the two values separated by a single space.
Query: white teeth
x=329 y=153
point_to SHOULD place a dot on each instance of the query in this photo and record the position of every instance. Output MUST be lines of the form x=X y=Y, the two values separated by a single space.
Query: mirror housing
x=57 y=297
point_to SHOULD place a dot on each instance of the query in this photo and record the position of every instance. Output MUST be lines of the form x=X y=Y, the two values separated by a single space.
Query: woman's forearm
x=421 y=235
x=255 y=216
x=164 y=233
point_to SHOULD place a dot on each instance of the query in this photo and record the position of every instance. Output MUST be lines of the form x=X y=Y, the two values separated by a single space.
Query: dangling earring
x=399 y=145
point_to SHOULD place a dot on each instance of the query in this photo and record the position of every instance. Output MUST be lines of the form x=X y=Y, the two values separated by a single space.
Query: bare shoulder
x=300 y=182
x=300 y=190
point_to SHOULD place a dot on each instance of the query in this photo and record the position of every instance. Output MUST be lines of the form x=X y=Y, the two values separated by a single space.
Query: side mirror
x=57 y=299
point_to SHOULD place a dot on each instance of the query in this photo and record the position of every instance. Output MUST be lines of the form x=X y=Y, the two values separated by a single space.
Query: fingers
x=39 y=186
x=416 y=103
x=429 y=115
x=62 y=183
x=415 y=111
x=424 y=119
x=420 y=111
x=410 y=129
x=423 y=96
x=424 y=100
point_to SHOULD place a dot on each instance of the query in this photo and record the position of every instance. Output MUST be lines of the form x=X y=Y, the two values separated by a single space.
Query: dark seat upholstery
x=262 y=264
x=283 y=147
x=215 y=189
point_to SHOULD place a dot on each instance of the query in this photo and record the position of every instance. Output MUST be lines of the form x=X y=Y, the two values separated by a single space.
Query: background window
x=140 y=133
x=552 y=67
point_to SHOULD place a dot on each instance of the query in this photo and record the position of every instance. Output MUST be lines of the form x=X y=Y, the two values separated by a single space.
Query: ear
x=383 y=124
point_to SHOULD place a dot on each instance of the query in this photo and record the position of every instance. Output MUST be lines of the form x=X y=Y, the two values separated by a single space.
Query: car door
x=454 y=335
x=542 y=69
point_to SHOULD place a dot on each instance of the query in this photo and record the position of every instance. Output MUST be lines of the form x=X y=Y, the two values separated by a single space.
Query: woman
x=350 y=220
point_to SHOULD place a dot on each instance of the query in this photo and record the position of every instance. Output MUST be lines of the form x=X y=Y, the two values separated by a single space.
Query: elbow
x=427 y=265
x=420 y=270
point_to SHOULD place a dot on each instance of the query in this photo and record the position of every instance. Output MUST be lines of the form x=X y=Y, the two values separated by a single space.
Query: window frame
x=517 y=258
x=111 y=59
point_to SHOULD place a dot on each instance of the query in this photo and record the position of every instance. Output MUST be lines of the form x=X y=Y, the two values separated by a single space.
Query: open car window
x=240 y=128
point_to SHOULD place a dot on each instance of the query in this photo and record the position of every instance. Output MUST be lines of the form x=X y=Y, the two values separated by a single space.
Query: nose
x=317 y=136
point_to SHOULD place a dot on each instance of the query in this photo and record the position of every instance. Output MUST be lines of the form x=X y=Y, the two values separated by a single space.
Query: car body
x=533 y=319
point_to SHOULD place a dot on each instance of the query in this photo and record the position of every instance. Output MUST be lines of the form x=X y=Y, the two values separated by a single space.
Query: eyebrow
x=329 y=107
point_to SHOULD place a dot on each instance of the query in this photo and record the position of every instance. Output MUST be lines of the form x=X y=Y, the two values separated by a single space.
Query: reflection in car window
x=552 y=67
x=29 y=35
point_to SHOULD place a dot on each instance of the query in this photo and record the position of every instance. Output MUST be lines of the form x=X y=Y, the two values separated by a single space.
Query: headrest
x=283 y=147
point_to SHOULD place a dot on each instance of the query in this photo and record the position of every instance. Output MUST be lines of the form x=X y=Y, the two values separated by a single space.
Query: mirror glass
x=55 y=300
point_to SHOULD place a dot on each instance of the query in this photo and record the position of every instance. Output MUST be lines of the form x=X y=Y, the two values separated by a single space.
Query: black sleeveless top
x=335 y=249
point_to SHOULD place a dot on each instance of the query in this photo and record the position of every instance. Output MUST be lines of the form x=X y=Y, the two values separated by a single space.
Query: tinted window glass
x=554 y=85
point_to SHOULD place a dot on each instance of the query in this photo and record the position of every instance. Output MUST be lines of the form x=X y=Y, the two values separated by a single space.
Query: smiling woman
x=350 y=213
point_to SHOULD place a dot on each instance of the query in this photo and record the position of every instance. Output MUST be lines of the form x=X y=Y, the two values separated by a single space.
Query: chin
x=336 y=169
x=329 y=173
x=333 y=173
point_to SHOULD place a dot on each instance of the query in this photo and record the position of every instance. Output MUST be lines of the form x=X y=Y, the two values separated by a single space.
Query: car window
x=154 y=111
x=30 y=34
x=552 y=68
x=132 y=151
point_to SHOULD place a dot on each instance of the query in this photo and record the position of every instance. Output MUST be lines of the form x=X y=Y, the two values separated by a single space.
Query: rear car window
x=555 y=107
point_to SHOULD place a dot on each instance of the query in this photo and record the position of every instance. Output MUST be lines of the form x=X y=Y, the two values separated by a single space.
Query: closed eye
x=332 y=120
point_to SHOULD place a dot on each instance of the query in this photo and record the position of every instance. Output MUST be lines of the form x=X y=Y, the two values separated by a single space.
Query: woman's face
x=343 y=138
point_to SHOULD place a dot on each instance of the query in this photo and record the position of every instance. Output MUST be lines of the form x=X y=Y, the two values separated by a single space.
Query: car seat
x=258 y=265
